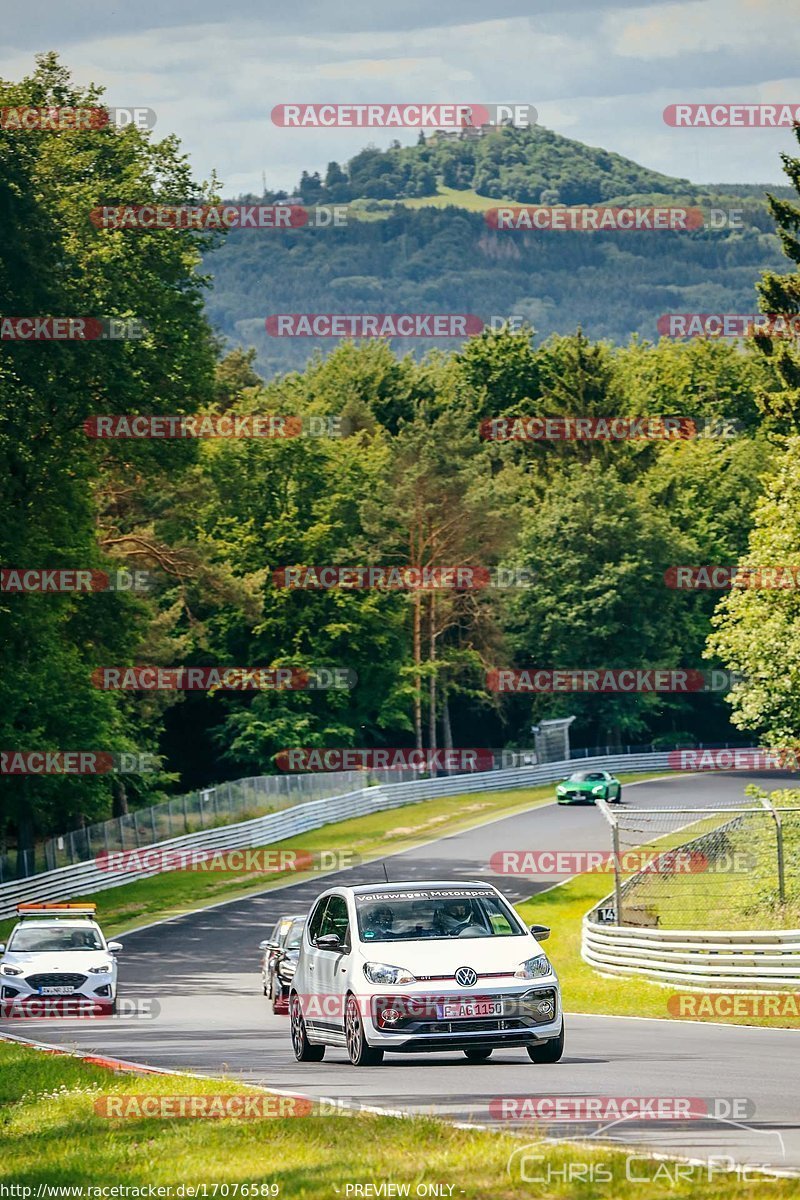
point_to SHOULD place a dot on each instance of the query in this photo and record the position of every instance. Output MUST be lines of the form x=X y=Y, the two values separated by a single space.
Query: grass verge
x=52 y=1135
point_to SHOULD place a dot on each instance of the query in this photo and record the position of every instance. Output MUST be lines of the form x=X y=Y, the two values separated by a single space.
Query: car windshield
x=434 y=913
x=587 y=776
x=295 y=934
x=27 y=940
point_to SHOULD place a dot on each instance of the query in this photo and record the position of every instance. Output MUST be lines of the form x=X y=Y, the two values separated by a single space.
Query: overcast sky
x=600 y=73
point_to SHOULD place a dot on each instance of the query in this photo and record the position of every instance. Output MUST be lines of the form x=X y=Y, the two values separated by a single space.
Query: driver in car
x=379 y=920
x=454 y=916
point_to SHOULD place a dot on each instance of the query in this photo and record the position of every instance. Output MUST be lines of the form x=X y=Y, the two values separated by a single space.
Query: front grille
x=57 y=979
x=471 y=1026
x=519 y=1012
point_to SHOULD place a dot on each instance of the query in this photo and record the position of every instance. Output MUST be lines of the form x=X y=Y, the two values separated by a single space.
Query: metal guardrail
x=86 y=878
x=756 y=959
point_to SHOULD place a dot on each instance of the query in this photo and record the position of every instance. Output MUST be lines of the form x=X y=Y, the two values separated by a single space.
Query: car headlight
x=533 y=968
x=561 y=788
x=104 y=970
x=10 y=970
x=383 y=974
x=597 y=790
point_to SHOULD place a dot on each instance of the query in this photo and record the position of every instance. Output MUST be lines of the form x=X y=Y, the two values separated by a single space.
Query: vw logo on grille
x=466 y=977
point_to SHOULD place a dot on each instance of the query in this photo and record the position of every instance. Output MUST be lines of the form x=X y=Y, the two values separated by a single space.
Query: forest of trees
x=410 y=482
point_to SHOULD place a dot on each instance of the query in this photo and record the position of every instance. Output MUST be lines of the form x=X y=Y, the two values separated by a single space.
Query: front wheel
x=478 y=1054
x=547 y=1052
x=358 y=1051
x=303 y=1050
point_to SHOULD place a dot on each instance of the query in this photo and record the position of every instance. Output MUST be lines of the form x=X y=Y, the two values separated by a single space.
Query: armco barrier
x=85 y=878
x=756 y=959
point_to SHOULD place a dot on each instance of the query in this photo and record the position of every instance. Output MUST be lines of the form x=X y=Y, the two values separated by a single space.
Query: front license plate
x=470 y=1008
x=56 y=991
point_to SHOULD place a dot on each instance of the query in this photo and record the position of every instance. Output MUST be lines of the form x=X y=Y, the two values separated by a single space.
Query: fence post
x=136 y=827
x=769 y=806
x=185 y=814
x=614 y=823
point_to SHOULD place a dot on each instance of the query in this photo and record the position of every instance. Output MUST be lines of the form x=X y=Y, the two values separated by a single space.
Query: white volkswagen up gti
x=422 y=967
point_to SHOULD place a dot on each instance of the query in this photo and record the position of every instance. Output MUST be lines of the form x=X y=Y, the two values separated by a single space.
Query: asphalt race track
x=201 y=969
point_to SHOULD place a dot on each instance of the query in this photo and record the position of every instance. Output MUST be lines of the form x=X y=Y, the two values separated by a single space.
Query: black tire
x=478 y=1054
x=303 y=1050
x=360 y=1053
x=547 y=1052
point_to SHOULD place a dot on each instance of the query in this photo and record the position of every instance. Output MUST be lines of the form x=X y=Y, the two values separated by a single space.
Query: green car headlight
x=597 y=790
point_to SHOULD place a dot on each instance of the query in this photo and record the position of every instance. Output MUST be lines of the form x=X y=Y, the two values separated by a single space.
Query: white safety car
x=58 y=952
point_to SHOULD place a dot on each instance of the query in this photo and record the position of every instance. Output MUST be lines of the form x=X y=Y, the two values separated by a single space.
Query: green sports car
x=583 y=787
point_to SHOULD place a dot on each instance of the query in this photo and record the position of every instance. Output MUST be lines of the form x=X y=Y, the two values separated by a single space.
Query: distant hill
x=417 y=240
x=533 y=165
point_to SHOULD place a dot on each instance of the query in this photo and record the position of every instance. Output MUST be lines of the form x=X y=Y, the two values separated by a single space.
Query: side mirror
x=540 y=932
x=2 y=947
x=328 y=941
x=263 y=945
x=114 y=947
